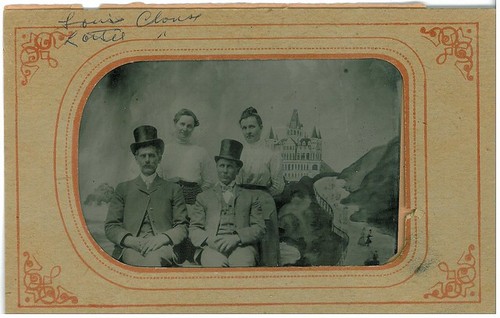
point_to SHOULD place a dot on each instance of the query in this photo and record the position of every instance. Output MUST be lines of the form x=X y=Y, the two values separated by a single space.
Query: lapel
x=139 y=205
x=237 y=192
x=141 y=185
x=218 y=207
x=155 y=184
x=218 y=194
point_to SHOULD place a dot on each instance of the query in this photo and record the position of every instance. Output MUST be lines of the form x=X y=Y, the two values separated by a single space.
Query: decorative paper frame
x=446 y=259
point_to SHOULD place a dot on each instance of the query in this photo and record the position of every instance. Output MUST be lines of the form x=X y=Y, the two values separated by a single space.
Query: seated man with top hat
x=226 y=222
x=147 y=216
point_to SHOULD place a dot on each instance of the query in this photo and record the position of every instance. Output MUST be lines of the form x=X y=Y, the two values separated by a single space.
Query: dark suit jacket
x=163 y=201
x=205 y=216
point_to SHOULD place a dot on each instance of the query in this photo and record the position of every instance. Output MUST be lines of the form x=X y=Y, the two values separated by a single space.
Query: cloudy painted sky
x=356 y=104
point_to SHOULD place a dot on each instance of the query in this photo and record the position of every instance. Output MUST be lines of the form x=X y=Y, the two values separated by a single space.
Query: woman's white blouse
x=189 y=163
x=262 y=166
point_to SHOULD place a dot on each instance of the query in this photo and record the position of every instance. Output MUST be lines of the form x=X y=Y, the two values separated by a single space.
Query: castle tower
x=314 y=133
x=315 y=145
x=295 y=127
x=271 y=140
x=301 y=154
x=271 y=134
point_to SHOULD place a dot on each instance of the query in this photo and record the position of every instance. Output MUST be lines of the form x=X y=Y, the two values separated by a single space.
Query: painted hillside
x=377 y=195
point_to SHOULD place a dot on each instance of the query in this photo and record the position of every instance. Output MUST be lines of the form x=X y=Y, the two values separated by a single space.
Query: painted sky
x=356 y=104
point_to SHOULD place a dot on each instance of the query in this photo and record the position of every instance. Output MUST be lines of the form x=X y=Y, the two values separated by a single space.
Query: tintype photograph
x=244 y=163
x=231 y=158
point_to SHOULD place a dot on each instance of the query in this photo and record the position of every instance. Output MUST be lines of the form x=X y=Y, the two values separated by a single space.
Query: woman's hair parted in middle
x=186 y=112
x=251 y=112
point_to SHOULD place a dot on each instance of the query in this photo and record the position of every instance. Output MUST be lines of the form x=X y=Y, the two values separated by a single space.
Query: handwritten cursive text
x=68 y=21
x=147 y=17
x=104 y=35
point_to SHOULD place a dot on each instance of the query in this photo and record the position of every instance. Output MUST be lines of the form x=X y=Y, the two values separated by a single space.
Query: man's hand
x=227 y=243
x=133 y=242
x=154 y=242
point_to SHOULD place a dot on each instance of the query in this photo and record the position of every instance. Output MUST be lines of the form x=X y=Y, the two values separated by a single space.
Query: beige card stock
x=54 y=57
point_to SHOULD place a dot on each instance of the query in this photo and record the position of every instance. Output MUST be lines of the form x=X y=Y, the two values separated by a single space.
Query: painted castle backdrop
x=301 y=153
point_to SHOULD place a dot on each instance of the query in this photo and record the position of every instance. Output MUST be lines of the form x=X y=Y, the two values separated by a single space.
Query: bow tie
x=227 y=192
x=225 y=188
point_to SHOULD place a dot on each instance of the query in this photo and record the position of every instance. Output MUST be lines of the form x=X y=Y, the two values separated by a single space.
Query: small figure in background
x=362 y=239
x=373 y=261
x=369 y=238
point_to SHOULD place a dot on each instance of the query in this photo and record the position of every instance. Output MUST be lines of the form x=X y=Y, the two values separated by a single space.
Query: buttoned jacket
x=164 y=203
x=206 y=213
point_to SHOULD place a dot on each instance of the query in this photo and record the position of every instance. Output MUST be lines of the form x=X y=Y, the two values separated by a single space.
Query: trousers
x=245 y=256
x=162 y=257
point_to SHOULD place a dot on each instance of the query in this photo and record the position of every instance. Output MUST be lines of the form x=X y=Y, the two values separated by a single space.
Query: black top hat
x=146 y=136
x=230 y=150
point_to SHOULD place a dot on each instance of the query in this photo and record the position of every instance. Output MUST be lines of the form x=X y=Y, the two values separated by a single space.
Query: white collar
x=148 y=179
x=230 y=185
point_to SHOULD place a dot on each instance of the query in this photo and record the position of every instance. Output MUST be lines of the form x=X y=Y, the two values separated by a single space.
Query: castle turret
x=271 y=141
x=271 y=134
x=295 y=127
x=314 y=133
x=294 y=122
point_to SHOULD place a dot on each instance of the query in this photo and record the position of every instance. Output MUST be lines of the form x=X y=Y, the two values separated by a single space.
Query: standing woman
x=188 y=165
x=262 y=170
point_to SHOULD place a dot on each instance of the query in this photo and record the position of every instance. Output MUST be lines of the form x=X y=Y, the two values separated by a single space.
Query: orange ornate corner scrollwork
x=456 y=45
x=38 y=48
x=459 y=282
x=40 y=288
